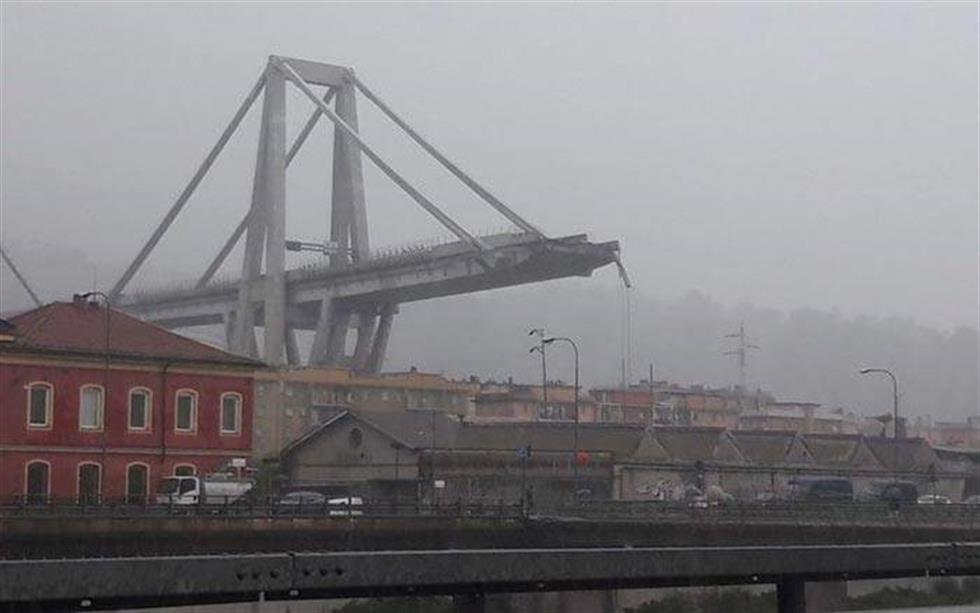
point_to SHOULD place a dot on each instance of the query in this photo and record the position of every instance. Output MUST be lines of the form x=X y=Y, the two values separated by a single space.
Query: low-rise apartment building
x=95 y=404
x=290 y=402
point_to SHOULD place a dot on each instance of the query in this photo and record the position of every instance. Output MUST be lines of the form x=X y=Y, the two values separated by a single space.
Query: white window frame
x=238 y=414
x=194 y=409
x=101 y=412
x=148 y=488
x=27 y=468
x=148 y=409
x=173 y=470
x=48 y=410
x=78 y=477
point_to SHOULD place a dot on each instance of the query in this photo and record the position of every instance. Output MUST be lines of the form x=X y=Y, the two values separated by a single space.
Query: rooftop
x=79 y=329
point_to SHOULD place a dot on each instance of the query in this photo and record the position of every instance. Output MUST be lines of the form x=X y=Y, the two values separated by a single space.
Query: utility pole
x=740 y=352
x=653 y=404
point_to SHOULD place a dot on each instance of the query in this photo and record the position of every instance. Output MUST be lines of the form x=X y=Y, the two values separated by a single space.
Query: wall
x=160 y=446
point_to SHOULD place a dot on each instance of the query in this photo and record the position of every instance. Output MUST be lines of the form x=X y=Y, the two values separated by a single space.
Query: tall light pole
x=105 y=377
x=548 y=341
x=539 y=332
x=867 y=371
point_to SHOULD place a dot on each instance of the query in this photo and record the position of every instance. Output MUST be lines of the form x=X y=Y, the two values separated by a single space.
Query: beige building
x=803 y=417
x=949 y=433
x=289 y=402
x=515 y=402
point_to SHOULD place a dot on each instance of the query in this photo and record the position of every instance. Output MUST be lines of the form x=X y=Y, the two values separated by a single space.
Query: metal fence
x=784 y=512
x=794 y=513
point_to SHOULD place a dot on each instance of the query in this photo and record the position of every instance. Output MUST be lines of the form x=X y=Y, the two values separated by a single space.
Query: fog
x=800 y=158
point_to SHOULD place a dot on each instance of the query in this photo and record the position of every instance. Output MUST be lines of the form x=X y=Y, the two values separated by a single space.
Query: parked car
x=351 y=505
x=821 y=489
x=975 y=499
x=891 y=491
x=302 y=498
x=933 y=499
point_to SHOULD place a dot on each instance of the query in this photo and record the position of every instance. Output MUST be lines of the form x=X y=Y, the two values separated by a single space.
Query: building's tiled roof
x=688 y=444
x=79 y=328
x=421 y=430
x=764 y=447
x=619 y=439
x=908 y=454
x=844 y=450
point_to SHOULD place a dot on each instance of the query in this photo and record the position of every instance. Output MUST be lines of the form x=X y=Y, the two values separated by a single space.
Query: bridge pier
x=366 y=327
x=381 y=336
x=791 y=595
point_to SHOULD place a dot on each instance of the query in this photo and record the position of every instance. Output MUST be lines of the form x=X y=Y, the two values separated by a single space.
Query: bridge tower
x=283 y=301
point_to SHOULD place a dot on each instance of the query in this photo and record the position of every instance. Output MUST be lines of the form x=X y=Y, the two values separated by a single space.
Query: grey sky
x=783 y=154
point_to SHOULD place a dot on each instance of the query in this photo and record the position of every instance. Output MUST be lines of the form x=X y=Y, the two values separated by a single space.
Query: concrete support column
x=292 y=347
x=337 y=337
x=348 y=218
x=381 y=335
x=318 y=352
x=243 y=334
x=791 y=595
x=229 y=321
x=274 y=347
x=366 y=325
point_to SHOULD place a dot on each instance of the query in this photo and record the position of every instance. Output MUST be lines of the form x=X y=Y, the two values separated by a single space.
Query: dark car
x=902 y=492
x=822 y=489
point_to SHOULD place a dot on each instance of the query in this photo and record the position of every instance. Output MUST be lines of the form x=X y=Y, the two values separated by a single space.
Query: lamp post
x=867 y=371
x=548 y=341
x=544 y=365
x=105 y=377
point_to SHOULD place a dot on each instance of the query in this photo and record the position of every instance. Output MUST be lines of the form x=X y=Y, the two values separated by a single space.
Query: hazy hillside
x=804 y=354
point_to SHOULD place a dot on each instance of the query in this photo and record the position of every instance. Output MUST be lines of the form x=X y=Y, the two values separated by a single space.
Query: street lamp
x=539 y=332
x=867 y=371
x=105 y=376
x=548 y=341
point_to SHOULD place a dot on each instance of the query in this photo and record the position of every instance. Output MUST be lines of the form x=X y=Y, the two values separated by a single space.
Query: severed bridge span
x=354 y=293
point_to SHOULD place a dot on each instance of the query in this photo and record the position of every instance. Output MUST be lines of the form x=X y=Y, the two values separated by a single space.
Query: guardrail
x=783 y=512
x=252 y=508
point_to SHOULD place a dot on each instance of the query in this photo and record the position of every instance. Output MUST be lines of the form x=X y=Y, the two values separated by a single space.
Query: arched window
x=89 y=483
x=91 y=407
x=140 y=409
x=231 y=413
x=40 y=400
x=184 y=470
x=186 y=412
x=355 y=438
x=37 y=481
x=137 y=483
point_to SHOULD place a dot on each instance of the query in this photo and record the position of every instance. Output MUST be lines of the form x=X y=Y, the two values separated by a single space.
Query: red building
x=79 y=422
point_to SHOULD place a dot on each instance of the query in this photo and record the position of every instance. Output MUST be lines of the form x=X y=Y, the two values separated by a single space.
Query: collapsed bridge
x=354 y=289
